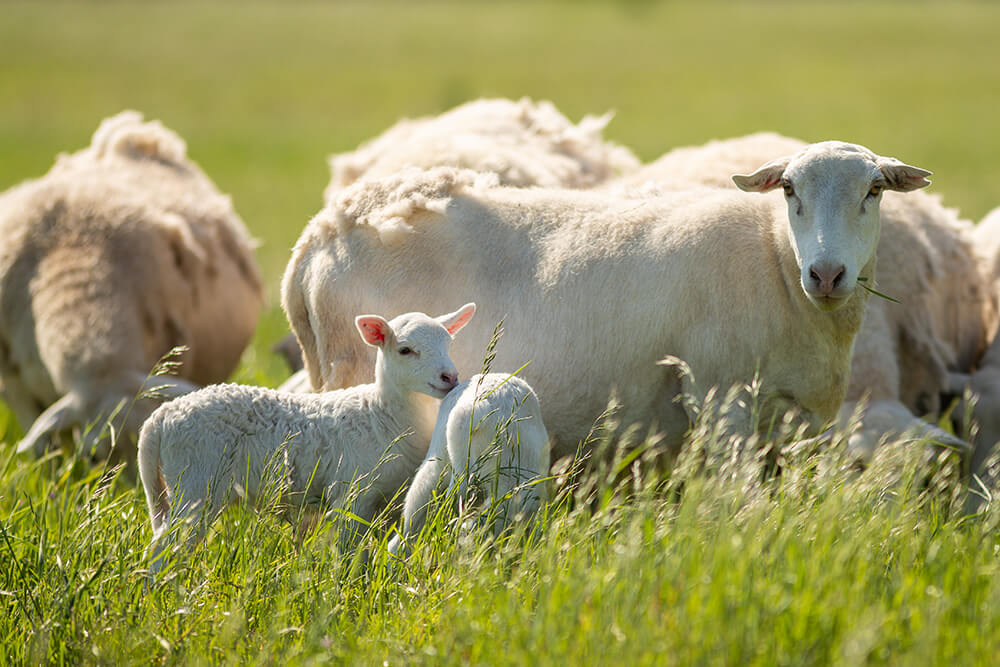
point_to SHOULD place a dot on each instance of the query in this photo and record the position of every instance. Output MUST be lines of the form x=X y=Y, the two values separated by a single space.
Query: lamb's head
x=833 y=191
x=413 y=350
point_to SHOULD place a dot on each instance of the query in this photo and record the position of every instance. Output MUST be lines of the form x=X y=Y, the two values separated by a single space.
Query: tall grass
x=716 y=563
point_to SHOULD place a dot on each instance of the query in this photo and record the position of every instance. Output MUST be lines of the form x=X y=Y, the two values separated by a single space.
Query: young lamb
x=488 y=428
x=734 y=284
x=194 y=450
x=926 y=261
x=120 y=253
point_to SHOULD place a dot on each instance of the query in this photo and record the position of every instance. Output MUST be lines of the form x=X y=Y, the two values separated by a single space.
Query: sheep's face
x=413 y=350
x=833 y=191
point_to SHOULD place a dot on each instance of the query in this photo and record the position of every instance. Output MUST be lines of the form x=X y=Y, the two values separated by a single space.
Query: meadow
x=819 y=565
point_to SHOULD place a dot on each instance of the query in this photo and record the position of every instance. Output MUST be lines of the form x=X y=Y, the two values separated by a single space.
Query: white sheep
x=121 y=252
x=195 y=451
x=525 y=143
x=489 y=429
x=732 y=283
x=927 y=262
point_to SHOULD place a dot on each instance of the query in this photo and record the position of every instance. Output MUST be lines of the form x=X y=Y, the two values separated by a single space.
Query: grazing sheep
x=194 y=450
x=121 y=252
x=926 y=261
x=525 y=143
x=488 y=428
x=721 y=279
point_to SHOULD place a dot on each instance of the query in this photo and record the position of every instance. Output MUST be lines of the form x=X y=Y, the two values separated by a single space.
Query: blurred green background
x=264 y=91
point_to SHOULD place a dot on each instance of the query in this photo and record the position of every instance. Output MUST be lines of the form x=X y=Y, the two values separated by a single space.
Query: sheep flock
x=811 y=293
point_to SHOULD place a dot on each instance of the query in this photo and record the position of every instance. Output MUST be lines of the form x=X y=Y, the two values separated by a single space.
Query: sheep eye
x=405 y=351
x=876 y=190
x=789 y=190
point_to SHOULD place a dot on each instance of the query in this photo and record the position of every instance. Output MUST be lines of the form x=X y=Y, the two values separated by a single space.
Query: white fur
x=196 y=451
x=927 y=261
x=488 y=428
x=706 y=275
x=525 y=143
x=121 y=252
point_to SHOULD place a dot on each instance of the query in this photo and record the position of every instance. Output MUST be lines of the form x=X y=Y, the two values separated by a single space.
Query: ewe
x=525 y=143
x=489 y=429
x=195 y=450
x=927 y=262
x=121 y=252
x=732 y=283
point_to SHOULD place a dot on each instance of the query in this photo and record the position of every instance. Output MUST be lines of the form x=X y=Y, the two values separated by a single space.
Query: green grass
x=810 y=568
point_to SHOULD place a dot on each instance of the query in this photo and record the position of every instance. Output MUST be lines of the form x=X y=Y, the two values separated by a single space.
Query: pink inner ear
x=372 y=331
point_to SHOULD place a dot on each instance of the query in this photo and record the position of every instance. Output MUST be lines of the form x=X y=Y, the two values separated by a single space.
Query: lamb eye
x=876 y=190
x=405 y=351
x=789 y=190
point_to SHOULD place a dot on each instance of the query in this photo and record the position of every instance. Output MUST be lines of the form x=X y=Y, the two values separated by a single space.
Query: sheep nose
x=826 y=276
x=450 y=379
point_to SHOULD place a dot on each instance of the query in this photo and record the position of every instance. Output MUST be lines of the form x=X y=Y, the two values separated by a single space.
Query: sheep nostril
x=450 y=379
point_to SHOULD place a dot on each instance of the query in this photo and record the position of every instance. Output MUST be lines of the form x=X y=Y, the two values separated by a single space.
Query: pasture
x=816 y=566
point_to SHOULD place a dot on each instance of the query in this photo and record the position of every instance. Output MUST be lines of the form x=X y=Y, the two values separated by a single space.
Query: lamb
x=525 y=143
x=629 y=280
x=904 y=351
x=194 y=450
x=120 y=253
x=489 y=427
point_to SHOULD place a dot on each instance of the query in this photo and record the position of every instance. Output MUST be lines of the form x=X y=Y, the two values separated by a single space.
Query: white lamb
x=732 y=283
x=927 y=261
x=489 y=429
x=121 y=252
x=196 y=450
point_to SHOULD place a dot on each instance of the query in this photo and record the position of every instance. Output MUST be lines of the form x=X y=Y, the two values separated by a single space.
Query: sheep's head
x=413 y=350
x=833 y=191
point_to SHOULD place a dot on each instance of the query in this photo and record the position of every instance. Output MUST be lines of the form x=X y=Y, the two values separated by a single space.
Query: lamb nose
x=450 y=379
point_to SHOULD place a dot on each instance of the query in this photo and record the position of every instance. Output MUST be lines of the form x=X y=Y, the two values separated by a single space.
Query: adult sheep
x=927 y=262
x=526 y=143
x=121 y=252
x=596 y=288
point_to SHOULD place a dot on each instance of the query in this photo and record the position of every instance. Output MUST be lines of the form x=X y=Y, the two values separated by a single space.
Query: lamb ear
x=764 y=179
x=902 y=177
x=454 y=322
x=374 y=330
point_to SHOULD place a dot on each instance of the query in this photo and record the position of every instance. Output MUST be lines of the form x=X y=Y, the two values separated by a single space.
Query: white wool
x=121 y=252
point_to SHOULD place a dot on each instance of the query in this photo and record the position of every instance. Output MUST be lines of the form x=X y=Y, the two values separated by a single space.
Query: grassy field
x=815 y=567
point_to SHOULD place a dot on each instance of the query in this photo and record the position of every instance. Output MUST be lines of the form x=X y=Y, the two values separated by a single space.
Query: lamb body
x=706 y=275
x=121 y=252
x=488 y=427
x=195 y=449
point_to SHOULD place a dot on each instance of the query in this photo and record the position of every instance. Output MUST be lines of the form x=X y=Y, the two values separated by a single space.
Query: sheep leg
x=417 y=499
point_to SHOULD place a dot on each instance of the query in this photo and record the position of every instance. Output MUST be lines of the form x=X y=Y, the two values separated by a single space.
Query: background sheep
x=489 y=428
x=194 y=450
x=627 y=280
x=525 y=143
x=121 y=252
x=902 y=355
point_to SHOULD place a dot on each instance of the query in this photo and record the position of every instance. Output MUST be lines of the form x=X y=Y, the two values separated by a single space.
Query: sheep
x=120 y=253
x=628 y=280
x=489 y=427
x=195 y=450
x=525 y=143
x=904 y=351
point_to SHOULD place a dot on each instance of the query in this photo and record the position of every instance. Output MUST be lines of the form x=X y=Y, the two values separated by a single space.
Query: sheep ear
x=454 y=322
x=764 y=179
x=902 y=177
x=374 y=330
